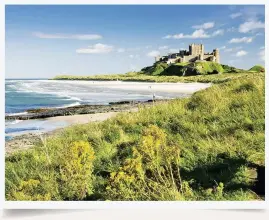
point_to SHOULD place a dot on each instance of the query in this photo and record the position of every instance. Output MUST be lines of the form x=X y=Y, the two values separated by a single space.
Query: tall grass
x=137 y=76
x=206 y=147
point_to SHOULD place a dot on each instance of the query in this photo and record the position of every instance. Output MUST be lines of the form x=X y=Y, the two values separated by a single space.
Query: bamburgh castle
x=195 y=53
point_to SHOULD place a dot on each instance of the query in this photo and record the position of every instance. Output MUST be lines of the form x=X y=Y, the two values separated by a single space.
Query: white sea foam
x=15 y=114
x=77 y=90
x=69 y=105
x=13 y=122
x=102 y=92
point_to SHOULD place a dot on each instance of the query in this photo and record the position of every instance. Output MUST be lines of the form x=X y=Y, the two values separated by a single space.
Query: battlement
x=195 y=53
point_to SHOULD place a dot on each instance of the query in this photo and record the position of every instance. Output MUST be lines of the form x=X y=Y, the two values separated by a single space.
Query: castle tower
x=202 y=52
x=191 y=49
x=157 y=58
x=196 y=49
x=216 y=54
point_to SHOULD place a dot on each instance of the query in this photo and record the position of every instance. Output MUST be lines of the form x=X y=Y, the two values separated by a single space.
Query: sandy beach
x=25 y=141
x=82 y=119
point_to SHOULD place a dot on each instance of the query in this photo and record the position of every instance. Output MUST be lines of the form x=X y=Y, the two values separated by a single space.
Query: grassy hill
x=162 y=72
x=257 y=68
x=210 y=146
x=231 y=69
x=183 y=69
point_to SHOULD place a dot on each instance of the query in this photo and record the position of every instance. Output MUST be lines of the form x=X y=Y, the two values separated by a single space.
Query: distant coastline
x=26 y=78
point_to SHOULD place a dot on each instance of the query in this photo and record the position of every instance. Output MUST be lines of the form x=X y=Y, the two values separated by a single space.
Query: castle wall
x=190 y=58
x=207 y=56
x=196 y=52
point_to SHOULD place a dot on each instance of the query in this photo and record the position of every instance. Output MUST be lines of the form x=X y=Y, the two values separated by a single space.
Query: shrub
x=75 y=179
x=30 y=190
x=153 y=165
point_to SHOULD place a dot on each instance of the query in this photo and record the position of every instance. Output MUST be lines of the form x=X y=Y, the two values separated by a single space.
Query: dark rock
x=79 y=110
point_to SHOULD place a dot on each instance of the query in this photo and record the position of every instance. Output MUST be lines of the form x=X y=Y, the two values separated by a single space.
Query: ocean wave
x=13 y=122
x=14 y=130
x=69 y=105
x=18 y=113
x=36 y=87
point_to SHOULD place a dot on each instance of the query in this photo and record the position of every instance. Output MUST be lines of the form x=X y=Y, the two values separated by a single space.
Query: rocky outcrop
x=80 y=109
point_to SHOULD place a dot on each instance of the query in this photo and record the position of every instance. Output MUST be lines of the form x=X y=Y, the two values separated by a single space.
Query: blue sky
x=44 y=41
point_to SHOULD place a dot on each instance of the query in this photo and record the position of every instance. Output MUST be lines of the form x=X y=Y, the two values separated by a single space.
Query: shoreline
x=26 y=141
x=46 y=113
x=49 y=121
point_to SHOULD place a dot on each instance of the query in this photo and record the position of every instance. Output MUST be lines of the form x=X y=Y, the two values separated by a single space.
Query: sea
x=24 y=94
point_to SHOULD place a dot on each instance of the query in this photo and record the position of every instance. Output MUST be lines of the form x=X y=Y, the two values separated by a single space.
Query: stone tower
x=157 y=58
x=216 y=54
x=196 y=49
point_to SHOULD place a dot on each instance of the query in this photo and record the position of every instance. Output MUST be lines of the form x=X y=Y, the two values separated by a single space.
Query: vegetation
x=183 y=69
x=134 y=76
x=162 y=72
x=257 y=68
x=156 y=69
x=206 y=147
x=231 y=69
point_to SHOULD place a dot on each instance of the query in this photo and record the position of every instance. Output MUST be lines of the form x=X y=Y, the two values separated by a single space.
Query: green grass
x=257 y=68
x=156 y=69
x=231 y=69
x=179 y=72
x=214 y=78
x=206 y=147
x=183 y=69
x=162 y=72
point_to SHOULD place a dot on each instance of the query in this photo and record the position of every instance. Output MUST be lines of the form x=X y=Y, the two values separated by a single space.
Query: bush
x=76 y=166
x=152 y=166
x=61 y=173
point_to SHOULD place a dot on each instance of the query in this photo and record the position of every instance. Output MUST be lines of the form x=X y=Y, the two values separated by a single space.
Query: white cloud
x=259 y=34
x=120 y=50
x=241 y=40
x=174 y=50
x=241 y=53
x=218 y=32
x=253 y=12
x=251 y=26
x=231 y=29
x=148 y=46
x=66 y=36
x=206 y=25
x=196 y=34
x=95 y=49
x=222 y=48
x=134 y=56
x=153 y=53
x=200 y=33
x=232 y=49
x=235 y=15
x=262 y=47
x=262 y=54
x=163 y=47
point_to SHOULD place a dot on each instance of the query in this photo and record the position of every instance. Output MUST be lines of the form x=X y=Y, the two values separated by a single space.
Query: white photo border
x=125 y=204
